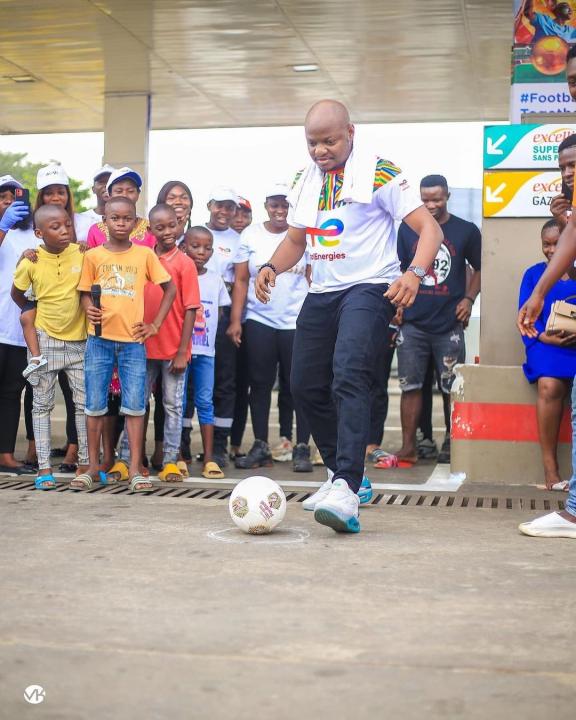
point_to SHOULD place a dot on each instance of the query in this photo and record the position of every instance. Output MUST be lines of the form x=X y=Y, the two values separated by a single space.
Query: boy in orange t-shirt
x=168 y=352
x=121 y=269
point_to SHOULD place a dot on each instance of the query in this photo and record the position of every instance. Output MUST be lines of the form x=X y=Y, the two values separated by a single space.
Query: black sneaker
x=185 y=449
x=220 y=454
x=427 y=449
x=259 y=455
x=444 y=454
x=301 y=458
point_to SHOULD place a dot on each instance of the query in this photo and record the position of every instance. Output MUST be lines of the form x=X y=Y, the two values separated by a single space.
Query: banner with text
x=543 y=32
x=524 y=147
x=519 y=193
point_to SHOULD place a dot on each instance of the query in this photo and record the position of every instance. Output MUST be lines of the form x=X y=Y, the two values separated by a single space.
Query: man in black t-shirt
x=434 y=326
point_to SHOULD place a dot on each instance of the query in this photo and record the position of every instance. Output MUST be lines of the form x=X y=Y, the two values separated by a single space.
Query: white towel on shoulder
x=357 y=186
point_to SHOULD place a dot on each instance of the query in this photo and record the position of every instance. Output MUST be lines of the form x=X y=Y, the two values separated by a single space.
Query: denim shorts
x=101 y=357
x=415 y=347
x=201 y=380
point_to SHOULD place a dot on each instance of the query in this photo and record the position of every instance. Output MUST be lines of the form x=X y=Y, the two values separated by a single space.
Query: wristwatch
x=418 y=271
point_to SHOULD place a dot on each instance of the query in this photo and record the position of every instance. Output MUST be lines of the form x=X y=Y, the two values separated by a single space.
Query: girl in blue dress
x=550 y=359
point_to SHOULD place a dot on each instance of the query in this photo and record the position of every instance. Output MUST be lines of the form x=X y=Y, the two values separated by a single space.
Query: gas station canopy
x=232 y=63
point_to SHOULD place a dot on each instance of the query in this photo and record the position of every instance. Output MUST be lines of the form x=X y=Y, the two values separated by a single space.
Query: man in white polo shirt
x=343 y=207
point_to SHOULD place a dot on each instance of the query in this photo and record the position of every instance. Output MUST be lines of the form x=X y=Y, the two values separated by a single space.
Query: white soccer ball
x=257 y=505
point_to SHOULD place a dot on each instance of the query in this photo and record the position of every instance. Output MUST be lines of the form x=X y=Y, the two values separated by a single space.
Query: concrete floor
x=127 y=607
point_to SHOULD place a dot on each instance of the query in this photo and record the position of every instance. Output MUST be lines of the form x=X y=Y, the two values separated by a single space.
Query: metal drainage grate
x=538 y=501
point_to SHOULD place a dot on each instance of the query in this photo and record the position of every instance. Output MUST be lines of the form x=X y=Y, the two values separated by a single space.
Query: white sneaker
x=320 y=494
x=283 y=451
x=339 y=510
x=552 y=525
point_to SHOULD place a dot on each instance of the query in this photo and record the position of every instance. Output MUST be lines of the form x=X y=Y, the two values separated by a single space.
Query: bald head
x=329 y=134
x=328 y=112
x=45 y=213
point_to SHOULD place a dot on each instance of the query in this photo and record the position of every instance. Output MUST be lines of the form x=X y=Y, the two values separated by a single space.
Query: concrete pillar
x=494 y=427
x=126 y=133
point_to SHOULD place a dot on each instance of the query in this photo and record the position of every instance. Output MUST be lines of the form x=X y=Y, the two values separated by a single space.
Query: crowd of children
x=116 y=307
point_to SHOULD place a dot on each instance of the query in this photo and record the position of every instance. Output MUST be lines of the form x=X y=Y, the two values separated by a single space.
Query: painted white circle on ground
x=283 y=536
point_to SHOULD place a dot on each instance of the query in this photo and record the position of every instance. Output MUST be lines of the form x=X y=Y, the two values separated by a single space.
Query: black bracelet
x=268 y=265
x=467 y=297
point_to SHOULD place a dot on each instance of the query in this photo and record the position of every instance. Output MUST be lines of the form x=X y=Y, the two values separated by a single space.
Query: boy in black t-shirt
x=434 y=326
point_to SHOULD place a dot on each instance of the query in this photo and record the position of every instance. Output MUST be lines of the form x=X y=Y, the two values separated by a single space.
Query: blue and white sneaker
x=365 y=493
x=339 y=510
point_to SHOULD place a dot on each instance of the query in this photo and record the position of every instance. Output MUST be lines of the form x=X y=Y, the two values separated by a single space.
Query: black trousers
x=71 y=434
x=242 y=389
x=379 y=408
x=267 y=349
x=28 y=400
x=224 y=375
x=12 y=363
x=339 y=336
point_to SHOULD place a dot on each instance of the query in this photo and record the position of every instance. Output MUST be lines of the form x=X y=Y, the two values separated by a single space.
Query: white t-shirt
x=225 y=248
x=213 y=295
x=83 y=222
x=360 y=243
x=257 y=246
x=12 y=247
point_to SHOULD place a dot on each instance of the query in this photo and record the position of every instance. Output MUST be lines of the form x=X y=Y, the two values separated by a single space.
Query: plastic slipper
x=171 y=473
x=386 y=462
x=181 y=465
x=33 y=366
x=81 y=482
x=118 y=472
x=212 y=471
x=45 y=482
x=376 y=455
x=140 y=480
x=563 y=486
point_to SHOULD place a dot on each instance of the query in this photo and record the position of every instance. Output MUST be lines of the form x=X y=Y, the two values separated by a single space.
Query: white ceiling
x=222 y=63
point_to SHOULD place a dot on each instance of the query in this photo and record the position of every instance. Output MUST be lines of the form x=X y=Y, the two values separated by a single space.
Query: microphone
x=96 y=292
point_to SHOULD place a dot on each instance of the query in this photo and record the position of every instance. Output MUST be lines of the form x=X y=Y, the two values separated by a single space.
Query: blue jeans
x=340 y=338
x=571 y=501
x=172 y=400
x=101 y=357
x=201 y=378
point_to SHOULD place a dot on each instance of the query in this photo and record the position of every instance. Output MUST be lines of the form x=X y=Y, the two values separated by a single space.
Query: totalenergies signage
x=520 y=193
x=524 y=146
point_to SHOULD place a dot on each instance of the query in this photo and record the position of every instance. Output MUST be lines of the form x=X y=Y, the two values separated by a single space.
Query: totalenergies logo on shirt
x=328 y=229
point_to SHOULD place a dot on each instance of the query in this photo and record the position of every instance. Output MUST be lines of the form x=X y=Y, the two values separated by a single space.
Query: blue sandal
x=45 y=482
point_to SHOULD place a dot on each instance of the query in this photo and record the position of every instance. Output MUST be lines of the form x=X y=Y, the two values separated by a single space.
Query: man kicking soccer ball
x=344 y=205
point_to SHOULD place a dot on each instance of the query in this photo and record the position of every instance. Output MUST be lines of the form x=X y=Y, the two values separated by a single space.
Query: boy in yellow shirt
x=60 y=328
x=121 y=269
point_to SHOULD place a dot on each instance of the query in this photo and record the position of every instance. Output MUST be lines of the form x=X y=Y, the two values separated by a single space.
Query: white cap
x=221 y=193
x=104 y=170
x=51 y=175
x=277 y=189
x=8 y=181
x=124 y=173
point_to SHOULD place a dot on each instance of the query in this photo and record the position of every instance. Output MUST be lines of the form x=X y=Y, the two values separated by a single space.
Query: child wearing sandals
x=168 y=352
x=197 y=244
x=121 y=269
x=60 y=328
